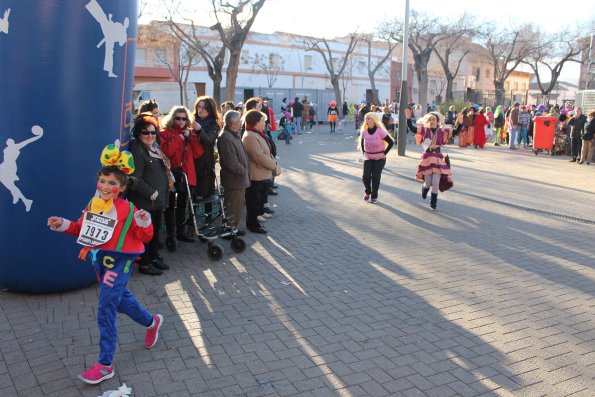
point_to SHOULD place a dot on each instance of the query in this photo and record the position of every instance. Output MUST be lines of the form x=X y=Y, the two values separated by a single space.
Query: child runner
x=113 y=231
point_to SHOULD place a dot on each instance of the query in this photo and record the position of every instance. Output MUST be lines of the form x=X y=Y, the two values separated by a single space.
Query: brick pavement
x=475 y=299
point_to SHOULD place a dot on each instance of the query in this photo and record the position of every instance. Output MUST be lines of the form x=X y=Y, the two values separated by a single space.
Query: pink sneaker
x=366 y=197
x=97 y=373
x=153 y=331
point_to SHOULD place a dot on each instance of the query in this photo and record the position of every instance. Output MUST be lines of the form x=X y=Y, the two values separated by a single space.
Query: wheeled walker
x=211 y=225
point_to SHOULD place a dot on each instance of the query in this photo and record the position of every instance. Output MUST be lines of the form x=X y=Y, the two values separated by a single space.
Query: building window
x=476 y=72
x=487 y=73
x=245 y=57
x=506 y=85
x=307 y=62
x=160 y=57
x=524 y=87
x=141 y=56
x=454 y=85
x=516 y=86
x=361 y=66
x=274 y=61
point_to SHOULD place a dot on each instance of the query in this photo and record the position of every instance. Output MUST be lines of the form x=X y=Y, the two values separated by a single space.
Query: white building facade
x=278 y=66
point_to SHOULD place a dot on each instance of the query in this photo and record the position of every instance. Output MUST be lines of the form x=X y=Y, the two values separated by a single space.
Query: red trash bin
x=544 y=128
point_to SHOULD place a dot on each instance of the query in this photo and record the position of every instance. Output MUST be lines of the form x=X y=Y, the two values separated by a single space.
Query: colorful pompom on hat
x=112 y=156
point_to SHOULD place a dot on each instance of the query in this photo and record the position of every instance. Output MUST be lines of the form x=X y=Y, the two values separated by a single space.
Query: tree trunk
x=449 y=94
x=232 y=74
x=337 y=87
x=217 y=89
x=499 y=85
x=422 y=79
x=181 y=85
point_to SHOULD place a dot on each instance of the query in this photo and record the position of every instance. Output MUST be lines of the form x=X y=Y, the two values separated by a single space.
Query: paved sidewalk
x=491 y=295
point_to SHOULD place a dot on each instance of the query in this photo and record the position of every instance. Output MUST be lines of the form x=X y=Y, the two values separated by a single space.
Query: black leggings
x=372 y=172
x=333 y=125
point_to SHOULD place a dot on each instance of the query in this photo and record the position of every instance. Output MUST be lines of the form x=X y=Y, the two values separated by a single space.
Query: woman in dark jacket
x=206 y=125
x=587 y=137
x=154 y=180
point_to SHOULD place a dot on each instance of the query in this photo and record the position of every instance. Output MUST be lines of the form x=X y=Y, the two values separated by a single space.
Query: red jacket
x=135 y=237
x=272 y=120
x=172 y=144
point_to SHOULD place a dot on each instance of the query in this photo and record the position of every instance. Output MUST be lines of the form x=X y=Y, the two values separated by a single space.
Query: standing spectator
x=345 y=111
x=226 y=107
x=387 y=120
x=271 y=115
x=479 y=123
x=182 y=147
x=151 y=191
x=311 y=116
x=514 y=125
x=498 y=125
x=332 y=115
x=305 y=112
x=234 y=169
x=150 y=106
x=284 y=106
x=261 y=166
x=375 y=144
x=451 y=116
x=587 y=137
x=206 y=125
x=524 y=121
x=577 y=125
x=361 y=113
x=297 y=108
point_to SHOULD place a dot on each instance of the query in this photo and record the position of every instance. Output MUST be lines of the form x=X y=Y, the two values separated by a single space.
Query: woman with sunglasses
x=153 y=183
x=181 y=146
x=206 y=125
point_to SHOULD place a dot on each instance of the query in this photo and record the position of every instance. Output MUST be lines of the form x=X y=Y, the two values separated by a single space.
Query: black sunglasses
x=177 y=118
x=145 y=132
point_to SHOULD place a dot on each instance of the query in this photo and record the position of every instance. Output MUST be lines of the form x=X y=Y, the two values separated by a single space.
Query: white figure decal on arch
x=113 y=32
x=8 y=168
x=4 y=22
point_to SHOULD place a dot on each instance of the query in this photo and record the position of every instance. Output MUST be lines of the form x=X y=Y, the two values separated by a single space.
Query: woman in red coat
x=480 y=121
x=181 y=146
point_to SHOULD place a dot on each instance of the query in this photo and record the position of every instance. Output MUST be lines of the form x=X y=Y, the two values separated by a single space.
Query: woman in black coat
x=206 y=125
x=153 y=182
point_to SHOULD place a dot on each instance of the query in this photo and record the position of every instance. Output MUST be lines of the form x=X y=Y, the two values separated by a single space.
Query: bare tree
x=454 y=49
x=154 y=38
x=440 y=81
x=271 y=66
x=233 y=22
x=507 y=48
x=389 y=43
x=551 y=54
x=425 y=33
x=347 y=75
x=335 y=65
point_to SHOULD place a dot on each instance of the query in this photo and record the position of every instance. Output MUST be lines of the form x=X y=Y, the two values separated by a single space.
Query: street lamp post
x=402 y=133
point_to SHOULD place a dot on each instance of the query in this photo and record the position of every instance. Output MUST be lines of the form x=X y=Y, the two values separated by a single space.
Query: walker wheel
x=535 y=152
x=215 y=251
x=237 y=245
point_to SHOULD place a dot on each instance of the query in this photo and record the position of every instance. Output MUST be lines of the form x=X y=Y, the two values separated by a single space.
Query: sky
x=333 y=18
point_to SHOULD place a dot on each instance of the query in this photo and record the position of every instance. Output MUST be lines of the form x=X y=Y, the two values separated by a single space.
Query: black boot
x=424 y=192
x=433 y=201
x=171 y=243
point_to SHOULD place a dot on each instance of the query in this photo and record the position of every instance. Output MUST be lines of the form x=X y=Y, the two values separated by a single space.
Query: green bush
x=459 y=105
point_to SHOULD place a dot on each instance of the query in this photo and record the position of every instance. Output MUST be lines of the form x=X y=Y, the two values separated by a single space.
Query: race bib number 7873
x=96 y=229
